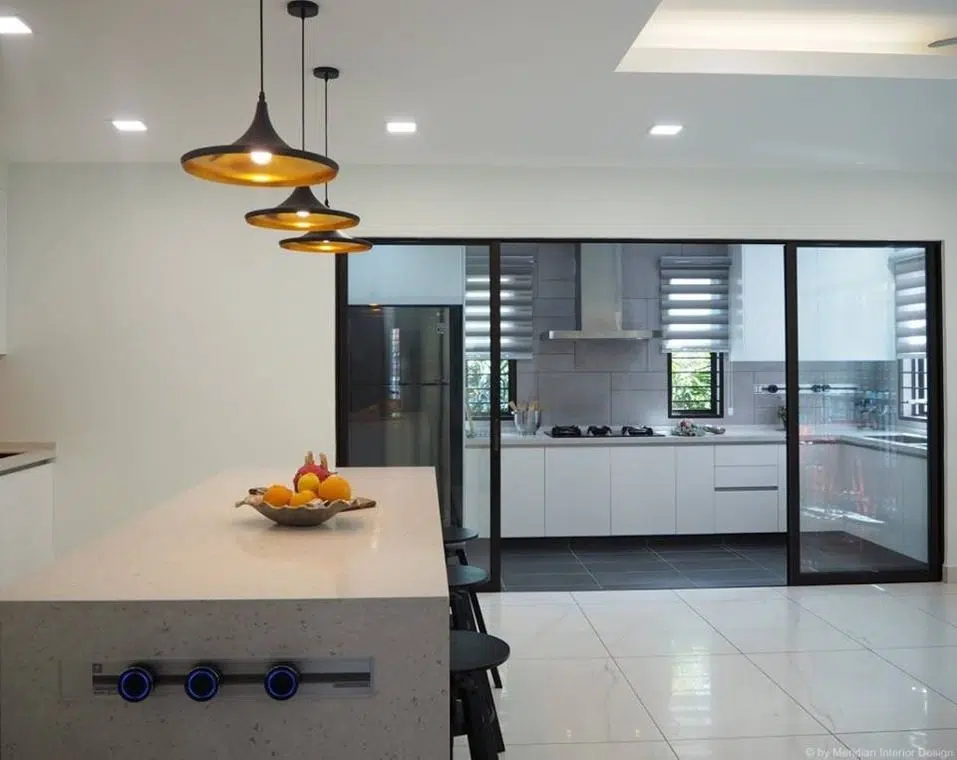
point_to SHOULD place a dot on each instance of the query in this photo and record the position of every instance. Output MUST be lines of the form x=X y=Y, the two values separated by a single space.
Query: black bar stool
x=471 y=656
x=454 y=538
x=466 y=610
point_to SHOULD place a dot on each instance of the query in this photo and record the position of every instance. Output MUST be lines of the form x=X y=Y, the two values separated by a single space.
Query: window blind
x=694 y=303
x=516 y=313
x=910 y=304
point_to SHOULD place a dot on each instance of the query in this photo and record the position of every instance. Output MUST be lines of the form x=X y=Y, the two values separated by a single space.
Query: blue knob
x=202 y=683
x=282 y=682
x=136 y=683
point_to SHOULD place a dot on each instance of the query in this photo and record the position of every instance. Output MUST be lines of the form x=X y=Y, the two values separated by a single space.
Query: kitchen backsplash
x=619 y=382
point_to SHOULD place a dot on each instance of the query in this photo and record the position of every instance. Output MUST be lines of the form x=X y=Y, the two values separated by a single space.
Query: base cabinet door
x=643 y=491
x=746 y=511
x=523 y=492
x=26 y=535
x=694 y=489
x=577 y=491
x=475 y=487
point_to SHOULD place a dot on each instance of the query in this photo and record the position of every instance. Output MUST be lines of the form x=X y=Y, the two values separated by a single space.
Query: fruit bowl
x=309 y=515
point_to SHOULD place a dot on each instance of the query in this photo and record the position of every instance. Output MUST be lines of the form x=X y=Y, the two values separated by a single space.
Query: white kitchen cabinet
x=694 y=489
x=746 y=455
x=757 y=303
x=26 y=521
x=523 y=492
x=475 y=489
x=846 y=305
x=746 y=511
x=913 y=484
x=643 y=491
x=577 y=491
x=782 y=488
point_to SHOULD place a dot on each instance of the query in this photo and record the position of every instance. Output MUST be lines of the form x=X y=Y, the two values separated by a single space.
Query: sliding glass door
x=863 y=413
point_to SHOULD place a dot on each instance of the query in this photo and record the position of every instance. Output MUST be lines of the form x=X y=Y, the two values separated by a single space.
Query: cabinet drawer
x=743 y=455
x=745 y=477
x=746 y=511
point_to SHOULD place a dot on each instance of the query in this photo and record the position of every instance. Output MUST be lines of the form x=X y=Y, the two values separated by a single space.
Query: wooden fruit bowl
x=309 y=515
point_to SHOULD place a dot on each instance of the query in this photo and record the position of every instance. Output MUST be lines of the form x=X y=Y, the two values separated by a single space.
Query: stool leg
x=494 y=725
x=462 y=556
x=480 y=620
x=477 y=722
x=462 y=619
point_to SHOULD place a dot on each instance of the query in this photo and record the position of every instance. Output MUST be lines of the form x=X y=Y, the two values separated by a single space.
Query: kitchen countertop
x=733 y=435
x=198 y=546
x=25 y=455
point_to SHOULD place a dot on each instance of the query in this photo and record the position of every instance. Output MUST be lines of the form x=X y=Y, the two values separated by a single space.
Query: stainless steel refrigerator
x=404 y=386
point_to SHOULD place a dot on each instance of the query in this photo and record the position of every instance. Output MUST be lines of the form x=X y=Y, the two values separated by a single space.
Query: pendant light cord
x=262 y=52
x=325 y=119
x=302 y=71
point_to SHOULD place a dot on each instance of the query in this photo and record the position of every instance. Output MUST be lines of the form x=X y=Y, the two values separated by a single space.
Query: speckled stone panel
x=406 y=718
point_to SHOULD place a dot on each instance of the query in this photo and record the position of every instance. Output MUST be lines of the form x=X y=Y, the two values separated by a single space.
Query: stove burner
x=565 y=431
x=599 y=431
x=631 y=431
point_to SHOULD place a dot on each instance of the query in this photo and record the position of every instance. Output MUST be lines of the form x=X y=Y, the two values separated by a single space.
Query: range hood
x=598 y=297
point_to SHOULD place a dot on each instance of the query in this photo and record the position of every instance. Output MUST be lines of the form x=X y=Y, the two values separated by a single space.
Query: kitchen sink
x=914 y=440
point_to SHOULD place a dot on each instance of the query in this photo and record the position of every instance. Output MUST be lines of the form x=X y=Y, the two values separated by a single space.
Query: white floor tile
x=524 y=598
x=857 y=691
x=569 y=701
x=628 y=751
x=695 y=596
x=638 y=596
x=883 y=622
x=773 y=625
x=655 y=628
x=723 y=696
x=544 y=630
x=941 y=606
x=921 y=589
x=935 y=666
x=930 y=745
x=771 y=748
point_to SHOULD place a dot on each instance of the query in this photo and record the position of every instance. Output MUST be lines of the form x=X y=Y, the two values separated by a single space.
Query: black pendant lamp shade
x=260 y=158
x=302 y=211
x=325 y=242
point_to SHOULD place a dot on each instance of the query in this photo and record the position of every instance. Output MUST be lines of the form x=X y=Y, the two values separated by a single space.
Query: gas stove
x=602 y=431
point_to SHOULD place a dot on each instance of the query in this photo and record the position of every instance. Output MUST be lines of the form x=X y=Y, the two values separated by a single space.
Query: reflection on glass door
x=859 y=415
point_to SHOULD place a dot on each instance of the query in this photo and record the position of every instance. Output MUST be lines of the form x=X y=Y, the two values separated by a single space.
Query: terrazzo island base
x=196 y=581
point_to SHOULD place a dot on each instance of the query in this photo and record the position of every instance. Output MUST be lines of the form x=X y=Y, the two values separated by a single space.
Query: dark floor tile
x=513 y=575
x=510 y=567
x=627 y=564
x=537 y=553
x=737 y=582
x=748 y=577
x=632 y=577
x=611 y=543
x=690 y=564
x=552 y=583
x=711 y=551
x=677 y=581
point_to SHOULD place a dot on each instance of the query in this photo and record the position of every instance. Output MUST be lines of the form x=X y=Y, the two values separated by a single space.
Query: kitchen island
x=359 y=607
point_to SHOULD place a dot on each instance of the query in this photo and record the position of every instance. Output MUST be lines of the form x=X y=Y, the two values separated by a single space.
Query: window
x=913 y=388
x=478 y=387
x=695 y=385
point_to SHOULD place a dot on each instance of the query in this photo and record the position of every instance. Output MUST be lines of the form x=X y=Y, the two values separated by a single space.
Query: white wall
x=3 y=260
x=157 y=339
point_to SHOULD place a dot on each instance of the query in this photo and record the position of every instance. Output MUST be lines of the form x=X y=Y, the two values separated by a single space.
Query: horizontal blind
x=910 y=307
x=694 y=303
x=516 y=311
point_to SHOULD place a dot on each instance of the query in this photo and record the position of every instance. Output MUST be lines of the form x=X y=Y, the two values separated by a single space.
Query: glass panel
x=862 y=401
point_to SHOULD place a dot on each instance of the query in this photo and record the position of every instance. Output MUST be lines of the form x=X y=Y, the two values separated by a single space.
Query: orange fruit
x=335 y=487
x=301 y=499
x=277 y=496
x=308 y=482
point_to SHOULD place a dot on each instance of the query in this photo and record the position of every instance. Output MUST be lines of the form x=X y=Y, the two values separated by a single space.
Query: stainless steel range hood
x=598 y=297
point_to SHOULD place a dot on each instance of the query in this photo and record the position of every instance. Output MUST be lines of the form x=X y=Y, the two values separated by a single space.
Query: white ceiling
x=508 y=82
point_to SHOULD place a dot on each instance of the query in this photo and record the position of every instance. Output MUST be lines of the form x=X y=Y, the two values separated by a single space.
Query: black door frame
x=935 y=424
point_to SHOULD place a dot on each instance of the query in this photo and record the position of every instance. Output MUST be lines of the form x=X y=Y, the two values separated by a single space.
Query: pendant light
x=261 y=158
x=302 y=211
x=333 y=241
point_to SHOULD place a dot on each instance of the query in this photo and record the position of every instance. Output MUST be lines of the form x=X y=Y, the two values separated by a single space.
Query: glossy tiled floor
x=723 y=674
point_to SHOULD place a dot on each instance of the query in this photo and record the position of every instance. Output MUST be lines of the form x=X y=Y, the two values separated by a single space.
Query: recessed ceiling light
x=401 y=127
x=129 y=125
x=665 y=130
x=13 y=25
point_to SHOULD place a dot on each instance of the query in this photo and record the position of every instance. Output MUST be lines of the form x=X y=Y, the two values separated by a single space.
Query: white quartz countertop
x=198 y=546
x=24 y=455
x=740 y=435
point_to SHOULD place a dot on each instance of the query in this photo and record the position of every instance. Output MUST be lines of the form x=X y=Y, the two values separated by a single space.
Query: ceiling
x=505 y=82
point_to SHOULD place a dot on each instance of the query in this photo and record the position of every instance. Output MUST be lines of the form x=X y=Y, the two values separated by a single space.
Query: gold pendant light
x=302 y=211
x=332 y=241
x=260 y=158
